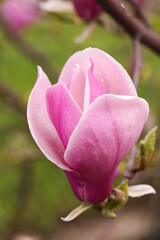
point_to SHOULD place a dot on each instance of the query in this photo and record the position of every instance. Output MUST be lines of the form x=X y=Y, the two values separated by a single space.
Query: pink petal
x=63 y=111
x=86 y=94
x=77 y=86
x=40 y=125
x=84 y=89
x=104 y=135
x=78 y=184
x=95 y=88
x=109 y=73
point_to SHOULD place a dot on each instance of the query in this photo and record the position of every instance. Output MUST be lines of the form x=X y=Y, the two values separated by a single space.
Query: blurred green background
x=34 y=193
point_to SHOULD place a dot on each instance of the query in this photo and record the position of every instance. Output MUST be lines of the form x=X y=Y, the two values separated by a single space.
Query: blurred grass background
x=34 y=193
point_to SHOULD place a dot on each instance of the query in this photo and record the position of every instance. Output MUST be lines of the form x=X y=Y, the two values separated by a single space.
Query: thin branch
x=30 y=51
x=137 y=62
x=132 y=156
x=140 y=13
x=131 y=25
x=147 y=175
x=86 y=33
x=130 y=171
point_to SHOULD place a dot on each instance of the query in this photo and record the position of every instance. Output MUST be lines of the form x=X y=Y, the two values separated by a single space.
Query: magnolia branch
x=131 y=25
x=31 y=52
x=130 y=170
x=140 y=13
x=137 y=62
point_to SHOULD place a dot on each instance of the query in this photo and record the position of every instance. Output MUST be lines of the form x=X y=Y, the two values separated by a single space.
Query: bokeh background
x=34 y=193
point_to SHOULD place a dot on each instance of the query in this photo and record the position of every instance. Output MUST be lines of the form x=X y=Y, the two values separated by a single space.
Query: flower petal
x=108 y=72
x=77 y=211
x=140 y=190
x=57 y=6
x=63 y=111
x=104 y=135
x=77 y=184
x=84 y=89
x=95 y=88
x=77 y=86
x=41 y=128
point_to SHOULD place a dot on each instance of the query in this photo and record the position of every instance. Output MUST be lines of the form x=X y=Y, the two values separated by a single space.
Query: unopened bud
x=117 y=194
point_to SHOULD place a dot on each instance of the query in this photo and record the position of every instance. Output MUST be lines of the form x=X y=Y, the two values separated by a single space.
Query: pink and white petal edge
x=40 y=125
x=110 y=73
x=63 y=111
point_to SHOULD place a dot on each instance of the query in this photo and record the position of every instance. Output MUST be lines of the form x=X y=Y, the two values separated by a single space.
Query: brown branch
x=148 y=174
x=140 y=13
x=30 y=51
x=131 y=25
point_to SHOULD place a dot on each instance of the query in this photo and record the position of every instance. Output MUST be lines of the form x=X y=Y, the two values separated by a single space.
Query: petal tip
x=39 y=73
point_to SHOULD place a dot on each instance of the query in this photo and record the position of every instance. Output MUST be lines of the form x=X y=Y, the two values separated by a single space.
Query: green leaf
x=124 y=187
x=147 y=145
x=77 y=211
x=149 y=141
x=118 y=197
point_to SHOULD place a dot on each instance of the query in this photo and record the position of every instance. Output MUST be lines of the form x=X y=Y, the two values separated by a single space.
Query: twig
x=87 y=31
x=148 y=174
x=131 y=25
x=140 y=13
x=130 y=170
x=137 y=61
x=132 y=156
x=31 y=52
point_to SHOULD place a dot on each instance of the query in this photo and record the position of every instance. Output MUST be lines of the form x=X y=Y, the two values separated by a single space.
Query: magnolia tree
x=92 y=118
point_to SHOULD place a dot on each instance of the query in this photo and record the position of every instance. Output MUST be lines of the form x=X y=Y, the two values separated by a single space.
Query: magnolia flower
x=87 y=10
x=18 y=14
x=87 y=122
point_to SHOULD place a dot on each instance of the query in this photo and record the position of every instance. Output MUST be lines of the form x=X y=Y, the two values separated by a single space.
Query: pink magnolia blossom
x=87 y=10
x=18 y=14
x=87 y=122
